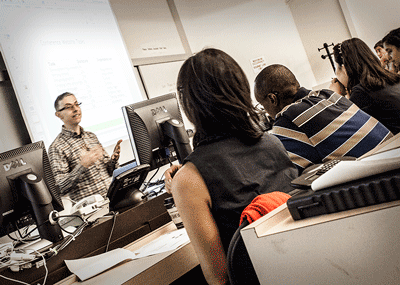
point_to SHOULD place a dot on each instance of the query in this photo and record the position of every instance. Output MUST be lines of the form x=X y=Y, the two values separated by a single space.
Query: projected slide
x=51 y=47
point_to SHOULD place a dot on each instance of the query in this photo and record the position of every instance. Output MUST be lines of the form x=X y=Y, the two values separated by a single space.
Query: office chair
x=240 y=268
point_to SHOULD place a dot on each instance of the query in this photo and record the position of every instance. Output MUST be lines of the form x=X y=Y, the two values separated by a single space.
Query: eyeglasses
x=70 y=106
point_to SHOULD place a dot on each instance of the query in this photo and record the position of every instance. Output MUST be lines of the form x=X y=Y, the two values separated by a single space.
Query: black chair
x=240 y=268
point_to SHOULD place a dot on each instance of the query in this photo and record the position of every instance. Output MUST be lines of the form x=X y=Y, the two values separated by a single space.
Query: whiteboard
x=160 y=79
x=51 y=47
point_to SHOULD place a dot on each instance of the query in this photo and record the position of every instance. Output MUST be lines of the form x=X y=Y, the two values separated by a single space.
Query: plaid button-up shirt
x=75 y=180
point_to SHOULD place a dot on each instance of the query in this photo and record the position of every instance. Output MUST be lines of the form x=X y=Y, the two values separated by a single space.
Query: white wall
x=147 y=27
x=319 y=22
x=372 y=19
x=247 y=30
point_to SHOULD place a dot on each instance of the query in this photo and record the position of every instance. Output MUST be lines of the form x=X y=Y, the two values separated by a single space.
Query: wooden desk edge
x=185 y=255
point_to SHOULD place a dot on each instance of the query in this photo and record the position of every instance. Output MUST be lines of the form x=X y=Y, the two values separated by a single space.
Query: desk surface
x=359 y=246
x=129 y=226
x=162 y=268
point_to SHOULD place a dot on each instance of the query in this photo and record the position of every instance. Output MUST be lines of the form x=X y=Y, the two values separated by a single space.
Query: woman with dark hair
x=233 y=159
x=391 y=43
x=372 y=88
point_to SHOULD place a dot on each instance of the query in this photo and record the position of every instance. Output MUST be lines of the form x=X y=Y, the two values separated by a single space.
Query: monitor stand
x=35 y=190
x=129 y=199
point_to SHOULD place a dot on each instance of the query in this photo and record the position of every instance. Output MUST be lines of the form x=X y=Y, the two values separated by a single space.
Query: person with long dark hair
x=233 y=160
x=372 y=88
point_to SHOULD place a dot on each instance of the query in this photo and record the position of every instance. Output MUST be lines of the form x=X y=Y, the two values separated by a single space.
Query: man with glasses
x=80 y=164
x=315 y=126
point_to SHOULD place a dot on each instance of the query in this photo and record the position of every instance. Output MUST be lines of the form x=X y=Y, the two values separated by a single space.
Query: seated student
x=233 y=159
x=372 y=88
x=383 y=56
x=315 y=126
x=80 y=164
x=391 y=43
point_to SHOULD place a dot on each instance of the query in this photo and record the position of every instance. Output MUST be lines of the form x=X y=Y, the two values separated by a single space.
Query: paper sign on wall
x=258 y=64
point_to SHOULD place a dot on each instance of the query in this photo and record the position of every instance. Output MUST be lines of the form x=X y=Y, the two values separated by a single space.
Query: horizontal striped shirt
x=323 y=125
x=75 y=180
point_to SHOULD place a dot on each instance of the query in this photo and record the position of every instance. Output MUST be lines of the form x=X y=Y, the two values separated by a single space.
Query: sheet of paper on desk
x=166 y=242
x=86 y=268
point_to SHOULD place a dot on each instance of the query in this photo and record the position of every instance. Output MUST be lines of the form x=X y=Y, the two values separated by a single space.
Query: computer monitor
x=28 y=193
x=156 y=131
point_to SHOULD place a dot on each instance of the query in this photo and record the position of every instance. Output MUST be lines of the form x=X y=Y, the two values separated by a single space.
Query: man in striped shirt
x=315 y=126
x=80 y=164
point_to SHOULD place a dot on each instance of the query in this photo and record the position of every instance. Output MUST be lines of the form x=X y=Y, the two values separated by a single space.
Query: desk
x=129 y=226
x=359 y=246
x=161 y=269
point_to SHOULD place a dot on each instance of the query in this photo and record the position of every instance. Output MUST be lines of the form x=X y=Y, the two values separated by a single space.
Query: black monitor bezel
x=13 y=206
x=152 y=148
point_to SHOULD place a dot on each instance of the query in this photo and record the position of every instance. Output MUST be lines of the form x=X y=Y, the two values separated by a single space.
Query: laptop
x=348 y=183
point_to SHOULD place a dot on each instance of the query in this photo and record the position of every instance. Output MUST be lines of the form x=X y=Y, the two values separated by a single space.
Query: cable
x=68 y=216
x=25 y=231
x=45 y=267
x=31 y=231
x=28 y=264
x=155 y=191
x=25 y=238
x=14 y=280
x=153 y=175
x=5 y=251
x=18 y=259
x=147 y=184
x=68 y=239
x=169 y=160
x=112 y=229
x=68 y=198
x=44 y=264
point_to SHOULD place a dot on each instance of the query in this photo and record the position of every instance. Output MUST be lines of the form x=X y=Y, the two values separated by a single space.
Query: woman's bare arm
x=194 y=205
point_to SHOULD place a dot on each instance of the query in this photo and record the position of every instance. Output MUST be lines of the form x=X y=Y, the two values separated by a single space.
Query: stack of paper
x=86 y=268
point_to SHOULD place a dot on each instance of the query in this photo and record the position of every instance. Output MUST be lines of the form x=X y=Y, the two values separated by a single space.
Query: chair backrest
x=240 y=268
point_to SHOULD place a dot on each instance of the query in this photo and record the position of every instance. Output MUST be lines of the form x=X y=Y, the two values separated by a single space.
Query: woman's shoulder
x=189 y=183
x=359 y=88
x=388 y=89
x=359 y=93
x=394 y=88
x=187 y=174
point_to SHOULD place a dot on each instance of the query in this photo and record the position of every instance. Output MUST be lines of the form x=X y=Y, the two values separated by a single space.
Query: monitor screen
x=156 y=131
x=28 y=192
